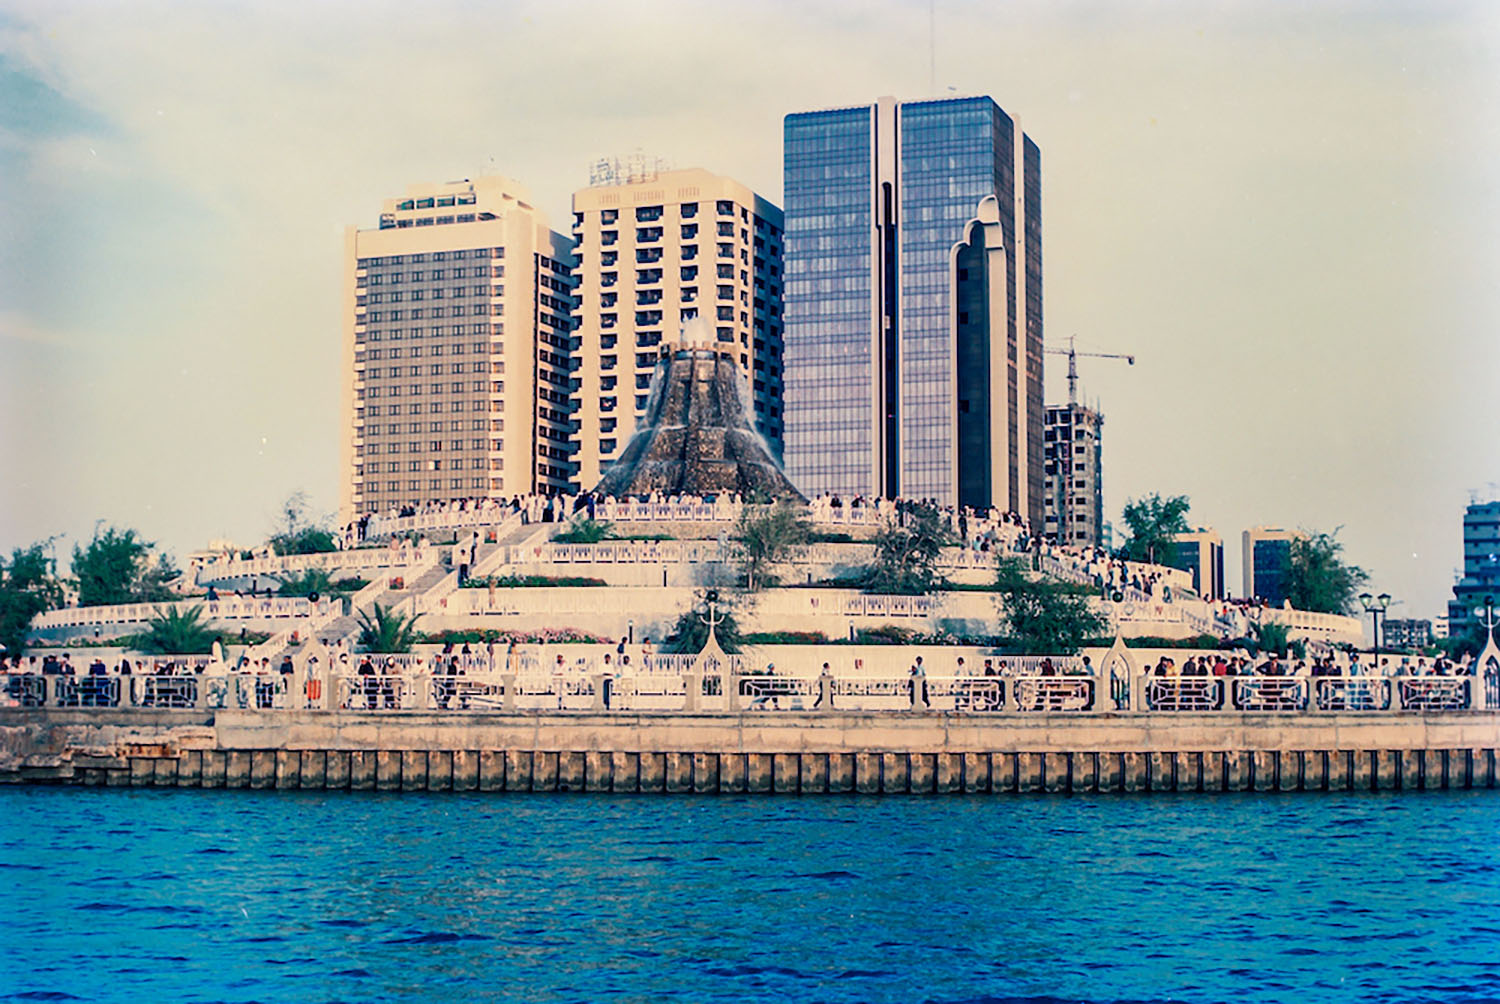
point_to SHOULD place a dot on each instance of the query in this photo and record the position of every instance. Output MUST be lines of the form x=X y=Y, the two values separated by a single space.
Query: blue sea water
x=165 y=895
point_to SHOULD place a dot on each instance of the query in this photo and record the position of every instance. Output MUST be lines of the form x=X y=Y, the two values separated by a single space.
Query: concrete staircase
x=513 y=549
x=346 y=628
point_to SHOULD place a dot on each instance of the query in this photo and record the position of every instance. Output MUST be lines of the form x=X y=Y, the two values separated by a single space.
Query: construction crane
x=1073 y=354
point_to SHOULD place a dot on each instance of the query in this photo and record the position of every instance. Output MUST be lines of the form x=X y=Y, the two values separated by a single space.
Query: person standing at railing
x=389 y=698
x=917 y=684
x=444 y=683
x=825 y=688
x=265 y=683
x=287 y=670
x=368 y=684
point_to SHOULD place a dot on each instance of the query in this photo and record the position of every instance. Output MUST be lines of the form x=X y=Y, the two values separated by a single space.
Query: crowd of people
x=1271 y=664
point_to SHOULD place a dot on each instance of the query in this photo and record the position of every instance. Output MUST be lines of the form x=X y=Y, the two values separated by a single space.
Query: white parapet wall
x=653 y=610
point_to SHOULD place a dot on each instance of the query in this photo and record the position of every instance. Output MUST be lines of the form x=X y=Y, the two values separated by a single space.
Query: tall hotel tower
x=457 y=317
x=660 y=252
x=914 y=304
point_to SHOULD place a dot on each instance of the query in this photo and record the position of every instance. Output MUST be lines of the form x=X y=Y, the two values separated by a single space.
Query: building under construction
x=1073 y=462
x=1073 y=475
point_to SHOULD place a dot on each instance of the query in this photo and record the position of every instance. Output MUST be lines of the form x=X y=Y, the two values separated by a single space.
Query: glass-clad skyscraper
x=912 y=253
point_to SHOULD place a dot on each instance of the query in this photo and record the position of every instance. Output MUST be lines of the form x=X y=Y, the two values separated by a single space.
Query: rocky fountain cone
x=696 y=437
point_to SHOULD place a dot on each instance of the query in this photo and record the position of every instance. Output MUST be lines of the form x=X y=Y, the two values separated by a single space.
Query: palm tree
x=586 y=531
x=178 y=632
x=387 y=630
x=306 y=583
x=317 y=581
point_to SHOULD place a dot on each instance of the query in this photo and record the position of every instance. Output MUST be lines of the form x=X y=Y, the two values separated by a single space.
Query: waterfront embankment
x=784 y=752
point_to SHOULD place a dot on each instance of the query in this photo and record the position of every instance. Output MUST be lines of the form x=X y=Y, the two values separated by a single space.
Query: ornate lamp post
x=1375 y=606
x=1485 y=614
x=1487 y=663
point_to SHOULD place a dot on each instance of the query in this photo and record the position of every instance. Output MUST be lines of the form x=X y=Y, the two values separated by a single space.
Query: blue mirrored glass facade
x=876 y=198
x=827 y=259
x=952 y=154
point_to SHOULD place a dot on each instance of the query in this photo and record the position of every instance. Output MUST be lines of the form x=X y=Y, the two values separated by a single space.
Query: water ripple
x=122 y=895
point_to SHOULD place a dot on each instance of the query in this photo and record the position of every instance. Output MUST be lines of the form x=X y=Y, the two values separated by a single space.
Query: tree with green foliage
x=387 y=631
x=1468 y=640
x=118 y=566
x=586 y=531
x=766 y=535
x=1271 y=637
x=690 y=633
x=1318 y=579
x=1153 y=521
x=177 y=631
x=1044 y=617
x=906 y=553
x=27 y=588
x=299 y=533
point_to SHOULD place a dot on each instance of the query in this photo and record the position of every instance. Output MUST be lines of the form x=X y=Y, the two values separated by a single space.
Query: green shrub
x=532 y=581
x=586 y=531
x=546 y=636
x=785 y=638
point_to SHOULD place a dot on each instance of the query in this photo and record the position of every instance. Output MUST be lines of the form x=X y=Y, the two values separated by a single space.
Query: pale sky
x=1287 y=212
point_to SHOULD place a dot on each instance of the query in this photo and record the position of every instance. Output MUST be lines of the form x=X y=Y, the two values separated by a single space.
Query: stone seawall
x=882 y=753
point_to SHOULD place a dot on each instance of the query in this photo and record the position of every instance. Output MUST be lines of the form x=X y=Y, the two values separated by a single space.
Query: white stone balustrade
x=724 y=688
x=225 y=608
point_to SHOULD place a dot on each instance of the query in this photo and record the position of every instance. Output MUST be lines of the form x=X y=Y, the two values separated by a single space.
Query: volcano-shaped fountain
x=696 y=437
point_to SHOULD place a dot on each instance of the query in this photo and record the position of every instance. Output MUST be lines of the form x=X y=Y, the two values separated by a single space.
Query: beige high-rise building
x=658 y=251
x=457 y=327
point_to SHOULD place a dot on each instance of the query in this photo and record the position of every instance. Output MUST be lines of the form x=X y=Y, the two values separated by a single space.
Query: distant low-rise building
x=1201 y=552
x=1406 y=633
x=1481 y=576
x=1267 y=562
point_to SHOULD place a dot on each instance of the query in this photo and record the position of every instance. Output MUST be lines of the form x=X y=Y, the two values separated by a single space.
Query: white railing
x=383 y=692
x=1185 y=693
x=778 y=693
x=969 y=694
x=1352 y=693
x=629 y=511
x=1440 y=693
x=224 y=608
x=865 y=515
x=411 y=686
x=674 y=552
x=363 y=559
x=1065 y=571
x=454 y=519
x=294 y=633
x=369 y=594
x=1053 y=693
x=464 y=692
x=1324 y=626
x=658 y=692
x=1269 y=693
